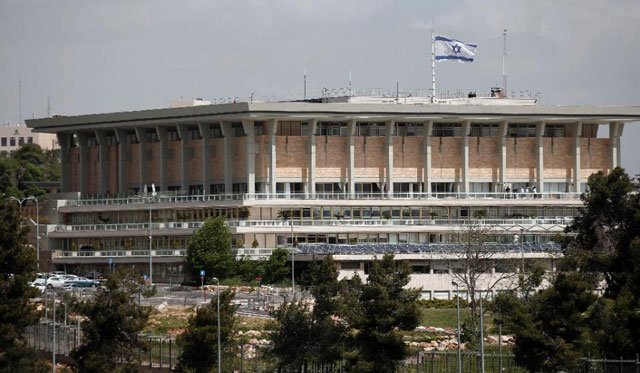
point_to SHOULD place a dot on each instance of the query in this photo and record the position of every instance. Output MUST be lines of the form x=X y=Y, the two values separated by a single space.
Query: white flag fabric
x=454 y=50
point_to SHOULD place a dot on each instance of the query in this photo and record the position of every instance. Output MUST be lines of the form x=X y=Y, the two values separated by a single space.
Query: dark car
x=93 y=275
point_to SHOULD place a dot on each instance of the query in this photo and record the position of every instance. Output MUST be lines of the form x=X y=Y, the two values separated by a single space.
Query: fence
x=163 y=353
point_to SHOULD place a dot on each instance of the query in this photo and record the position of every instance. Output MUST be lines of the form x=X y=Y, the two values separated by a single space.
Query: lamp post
x=293 y=256
x=20 y=202
x=458 y=320
x=218 y=317
x=150 y=199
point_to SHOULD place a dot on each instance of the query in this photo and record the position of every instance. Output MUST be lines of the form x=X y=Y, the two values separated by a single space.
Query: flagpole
x=504 y=62
x=433 y=65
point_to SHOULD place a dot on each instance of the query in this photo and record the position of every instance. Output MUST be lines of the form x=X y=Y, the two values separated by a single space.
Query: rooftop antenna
x=350 y=91
x=504 y=62
x=49 y=106
x=305 y=77
x=20 y=101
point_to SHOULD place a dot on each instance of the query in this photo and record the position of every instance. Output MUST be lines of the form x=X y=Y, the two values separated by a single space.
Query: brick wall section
x=408 y=157
x=92 y=174
x=599 y=159
x=521 y=160
x=262 y=157
x=238 y=156
x=484 y=158
x=74 y=169
x=112 y=168
x=331 y=157
x=558 y=158
x=446 y=160
x=194 y=160
x=133 y=175
x=216 y=160
x=151 y=163
x=292 y=156
x=370 y=159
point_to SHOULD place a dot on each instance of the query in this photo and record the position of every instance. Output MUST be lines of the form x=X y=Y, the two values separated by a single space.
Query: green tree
x=17 y=268
x=112 y=325
x=210 y=249
x=276 y=268
x=377 y=311
x=29 y=163
x=292 y=338
x=200 y=340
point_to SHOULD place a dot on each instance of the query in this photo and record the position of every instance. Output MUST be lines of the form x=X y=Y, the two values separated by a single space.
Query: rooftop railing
x=543 y=223
x=324 y=196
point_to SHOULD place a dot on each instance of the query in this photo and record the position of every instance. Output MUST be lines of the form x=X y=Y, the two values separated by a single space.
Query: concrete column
x=389 y=179
x=183 y=132
x=250 y=158
x=312 y=157
x=502 y=149
x=64 y=140
x=228 y=167
x=83 y=175
x=162 y=136
x=466 y=130
x=540 y=156
x=273 y=179
x=427 y=175
x=205 y=133
x=615 y=132
x=121 y=137
x=142 y=164
x=351 y=153
x=576 y=133
x=103 y=169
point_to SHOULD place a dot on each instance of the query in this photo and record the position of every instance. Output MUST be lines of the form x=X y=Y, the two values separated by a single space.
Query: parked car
x=56 y=282
x=40 y=284
x=83 y=282
x=93 y=275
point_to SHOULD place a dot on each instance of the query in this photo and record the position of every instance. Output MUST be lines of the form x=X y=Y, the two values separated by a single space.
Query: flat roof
x=334 y=111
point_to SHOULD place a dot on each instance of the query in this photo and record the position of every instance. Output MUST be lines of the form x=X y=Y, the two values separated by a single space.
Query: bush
x=443 y=303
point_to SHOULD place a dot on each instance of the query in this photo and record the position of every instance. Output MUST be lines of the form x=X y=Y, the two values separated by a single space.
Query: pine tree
x=210 y=249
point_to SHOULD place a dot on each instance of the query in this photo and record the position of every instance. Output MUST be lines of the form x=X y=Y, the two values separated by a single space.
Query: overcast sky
x=104 y=56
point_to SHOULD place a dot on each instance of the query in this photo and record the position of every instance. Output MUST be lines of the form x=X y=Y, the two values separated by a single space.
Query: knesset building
x=361 y=176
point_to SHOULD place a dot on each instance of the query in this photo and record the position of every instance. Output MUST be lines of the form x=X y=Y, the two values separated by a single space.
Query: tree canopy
x=27 y=164
x=17 y=268
x=569 y=320
x=210 y=249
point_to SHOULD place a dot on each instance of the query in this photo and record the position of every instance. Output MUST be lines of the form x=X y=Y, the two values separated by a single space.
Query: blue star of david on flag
x=448 y=49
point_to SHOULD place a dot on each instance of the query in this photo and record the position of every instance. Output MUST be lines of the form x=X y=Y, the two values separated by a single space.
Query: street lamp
x=20 y=202
x=150 y=199
x=218 y=317
x=458 y=319
x=293 y=256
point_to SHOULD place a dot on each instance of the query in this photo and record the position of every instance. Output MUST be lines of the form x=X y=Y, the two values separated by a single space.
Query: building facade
x=360 y=177
x=12 y=136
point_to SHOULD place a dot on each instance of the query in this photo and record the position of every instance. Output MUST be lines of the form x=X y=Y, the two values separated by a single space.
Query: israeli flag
x=455 y=50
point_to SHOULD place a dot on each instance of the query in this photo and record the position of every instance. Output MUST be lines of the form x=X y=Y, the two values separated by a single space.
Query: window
x=194 y=133
x=258 y=129
x=484 y=130
x=92 y=141
x=151 y=136
x=216 y=131
x=132 y=138
x=332 y=129
x=111 y=139
x=12 y=141
x=286 y=128
x=21 y=141
x=29 y=140
x=447 y=129
x=554 y=130
x=409 y=129
x=237 y=130
x=371 y=129
x=3 y=141
x=521 y=130
x=172 y=135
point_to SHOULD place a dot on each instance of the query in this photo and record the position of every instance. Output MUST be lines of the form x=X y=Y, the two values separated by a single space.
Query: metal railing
x=543 y=223
x=322 y=196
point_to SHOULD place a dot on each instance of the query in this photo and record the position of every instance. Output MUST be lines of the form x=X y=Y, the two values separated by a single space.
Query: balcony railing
x=501 y=223
x=321 y=196
x=117 y=253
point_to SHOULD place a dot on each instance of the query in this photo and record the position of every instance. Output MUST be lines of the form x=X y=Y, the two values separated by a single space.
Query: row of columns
x=65 y=141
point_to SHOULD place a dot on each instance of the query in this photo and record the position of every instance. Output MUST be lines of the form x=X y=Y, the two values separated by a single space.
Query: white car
x=56 y=282
x=39 y=283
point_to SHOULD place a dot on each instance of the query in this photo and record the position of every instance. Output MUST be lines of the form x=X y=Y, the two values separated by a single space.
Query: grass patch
x=442 y=317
